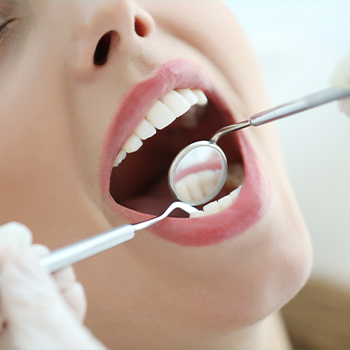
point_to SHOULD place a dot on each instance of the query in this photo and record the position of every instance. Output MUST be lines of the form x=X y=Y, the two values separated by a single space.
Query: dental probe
x=72 y=253
x=285 y=110
x=204 y=161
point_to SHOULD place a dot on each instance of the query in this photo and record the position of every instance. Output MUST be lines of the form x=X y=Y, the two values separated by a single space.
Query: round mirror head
x=198 y=173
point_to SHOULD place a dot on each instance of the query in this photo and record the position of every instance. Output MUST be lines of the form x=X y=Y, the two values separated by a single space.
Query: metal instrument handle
x=300 y=105
x=72 y=253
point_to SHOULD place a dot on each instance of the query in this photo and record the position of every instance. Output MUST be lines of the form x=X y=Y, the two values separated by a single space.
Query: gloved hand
x=39 y=310
x=341 y=78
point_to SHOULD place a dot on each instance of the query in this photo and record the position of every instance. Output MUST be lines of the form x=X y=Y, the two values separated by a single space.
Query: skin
x=55 y=109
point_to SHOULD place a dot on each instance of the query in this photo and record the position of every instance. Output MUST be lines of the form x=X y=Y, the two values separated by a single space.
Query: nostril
x=102 y=49
x=140 y=29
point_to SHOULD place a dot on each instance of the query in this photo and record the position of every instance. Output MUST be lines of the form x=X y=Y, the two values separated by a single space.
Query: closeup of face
x=77 y=81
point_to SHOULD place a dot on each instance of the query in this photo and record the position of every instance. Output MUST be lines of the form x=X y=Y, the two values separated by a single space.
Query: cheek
x=39 y=180
x=33 y=167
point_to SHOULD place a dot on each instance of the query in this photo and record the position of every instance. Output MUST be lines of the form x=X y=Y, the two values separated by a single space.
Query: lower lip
x=250 y=206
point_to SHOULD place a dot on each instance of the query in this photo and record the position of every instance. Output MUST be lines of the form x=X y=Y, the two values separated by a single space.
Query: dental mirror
x=199 y=171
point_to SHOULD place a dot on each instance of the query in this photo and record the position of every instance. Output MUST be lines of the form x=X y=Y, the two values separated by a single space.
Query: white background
x=299 y=43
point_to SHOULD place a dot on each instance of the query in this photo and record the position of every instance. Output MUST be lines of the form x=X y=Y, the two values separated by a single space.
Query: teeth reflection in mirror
x=202 y=99
x=120 y=157
x=194 y=186
x=176 y=103
x=189 y=95
x=182 y=191
x=217 y=206
x=145 y=130
x=208 y=180
x=160 y=115
x=133 y=144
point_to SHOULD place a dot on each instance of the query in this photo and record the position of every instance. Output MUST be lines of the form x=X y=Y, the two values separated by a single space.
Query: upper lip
x=170 y=76
x=129 y=113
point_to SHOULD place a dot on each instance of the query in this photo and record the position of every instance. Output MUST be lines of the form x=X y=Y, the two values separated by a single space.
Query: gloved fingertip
x=25 y=265
x=344 y=106
x=75 y=298
x=39 y=250
x=65 y=278
x=341 y=75
x=16 y=235
x=27 y=287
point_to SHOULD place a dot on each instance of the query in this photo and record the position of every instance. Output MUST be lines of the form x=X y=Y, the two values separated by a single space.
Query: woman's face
x=77 y=79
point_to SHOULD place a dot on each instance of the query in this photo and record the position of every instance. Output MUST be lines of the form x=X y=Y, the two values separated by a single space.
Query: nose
x=104 y=26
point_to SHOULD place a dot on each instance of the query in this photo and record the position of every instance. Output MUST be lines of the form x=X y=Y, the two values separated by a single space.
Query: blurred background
x=299 y=43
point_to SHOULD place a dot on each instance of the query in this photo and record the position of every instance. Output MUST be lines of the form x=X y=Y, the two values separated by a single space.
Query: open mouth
x=180 y=117
x=157 y=119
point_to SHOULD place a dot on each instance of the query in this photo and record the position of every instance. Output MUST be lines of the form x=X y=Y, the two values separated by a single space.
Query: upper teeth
x=171 y=106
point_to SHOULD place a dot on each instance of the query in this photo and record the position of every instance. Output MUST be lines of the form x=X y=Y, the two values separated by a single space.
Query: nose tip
x=105 y=25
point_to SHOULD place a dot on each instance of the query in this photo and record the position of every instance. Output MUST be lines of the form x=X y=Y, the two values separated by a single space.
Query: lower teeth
x=217 y=206
x=235 y=178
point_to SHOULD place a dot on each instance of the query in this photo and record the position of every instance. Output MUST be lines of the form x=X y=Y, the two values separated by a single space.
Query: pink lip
x=255 y=194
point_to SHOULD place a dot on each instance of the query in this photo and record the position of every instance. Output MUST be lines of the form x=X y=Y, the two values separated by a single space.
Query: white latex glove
x=341 y=78
x=40 y=311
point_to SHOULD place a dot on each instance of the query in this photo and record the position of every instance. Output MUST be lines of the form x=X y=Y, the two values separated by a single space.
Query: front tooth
x=160 y=115
x=225 y=202
x=120 y=157
x=234 y=194
x=145 y=130
x=176 y=103
x=197 y=214
x=212 y=208
x=133 y=144
x=202 y=99
x=189 y=95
